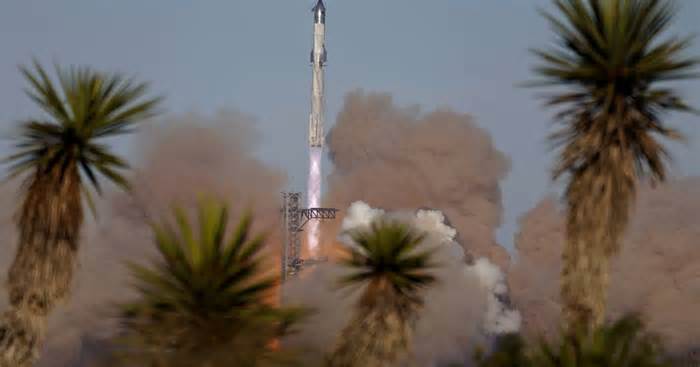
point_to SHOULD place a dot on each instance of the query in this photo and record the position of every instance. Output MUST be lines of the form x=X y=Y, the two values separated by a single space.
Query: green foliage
x=87 y=106
x=610 y=60
x=388 y=253
x=205 y=293
x=621 y=344
x=56 y=153
x=511 y=352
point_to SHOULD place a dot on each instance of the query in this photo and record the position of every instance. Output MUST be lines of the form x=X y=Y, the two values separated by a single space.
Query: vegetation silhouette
x=61 y=158
x=205 y=300
x=386 y=263
x=624 y=343
x=610 y=65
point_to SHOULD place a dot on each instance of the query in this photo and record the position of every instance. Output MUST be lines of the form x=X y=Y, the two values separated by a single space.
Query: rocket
x=318 y=61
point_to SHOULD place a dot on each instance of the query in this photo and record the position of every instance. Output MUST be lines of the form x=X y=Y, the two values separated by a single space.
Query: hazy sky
x=252 y=55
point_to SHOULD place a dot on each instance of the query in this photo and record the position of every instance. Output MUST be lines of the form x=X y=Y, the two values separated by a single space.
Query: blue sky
x=252 y=55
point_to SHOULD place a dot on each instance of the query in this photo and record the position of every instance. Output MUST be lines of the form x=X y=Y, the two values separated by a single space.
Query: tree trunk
x=584 y=285
x=598 y=202
x=21 y=333
x=377 y=339
x=380 y=331
x=42 y=272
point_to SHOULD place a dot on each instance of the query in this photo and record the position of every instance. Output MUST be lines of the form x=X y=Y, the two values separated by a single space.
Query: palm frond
x=84 y=107
x=389 y=251
x=624 y=343
x=208 y=279
x=604 y=69
x=387 y=261
x=44 y=94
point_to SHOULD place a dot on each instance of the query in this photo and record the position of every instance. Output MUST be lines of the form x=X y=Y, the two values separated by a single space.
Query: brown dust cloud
x=657 y=273
x=400 y=158
x=178 y=160
x=397 y=160
x=391 y=158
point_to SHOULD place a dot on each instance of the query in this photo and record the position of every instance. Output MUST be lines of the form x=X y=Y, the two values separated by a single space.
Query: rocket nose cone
x=319 y=6
x=319 y=12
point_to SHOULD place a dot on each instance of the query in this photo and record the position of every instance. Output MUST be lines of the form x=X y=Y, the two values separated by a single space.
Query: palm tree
x=203 y=301
x=609 y=63
x=393 y=273
x=60 y=155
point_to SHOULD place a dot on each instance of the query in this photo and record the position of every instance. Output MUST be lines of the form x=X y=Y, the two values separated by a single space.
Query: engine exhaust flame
x=314 y=197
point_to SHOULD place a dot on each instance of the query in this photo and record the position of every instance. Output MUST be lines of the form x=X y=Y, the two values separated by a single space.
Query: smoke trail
x=314 y=196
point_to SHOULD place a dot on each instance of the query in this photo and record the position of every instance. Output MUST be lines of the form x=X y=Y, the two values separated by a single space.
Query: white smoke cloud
x=500 y=318
x=360 y=215
x=465 y=308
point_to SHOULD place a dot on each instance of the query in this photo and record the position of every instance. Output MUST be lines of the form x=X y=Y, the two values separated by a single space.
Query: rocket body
x=316 y=119
x=318 y=61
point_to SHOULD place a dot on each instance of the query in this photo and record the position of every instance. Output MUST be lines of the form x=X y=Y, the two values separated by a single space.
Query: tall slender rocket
x=316 y=120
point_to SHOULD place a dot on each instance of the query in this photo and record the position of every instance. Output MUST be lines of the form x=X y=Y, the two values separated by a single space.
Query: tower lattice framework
x=294 y=217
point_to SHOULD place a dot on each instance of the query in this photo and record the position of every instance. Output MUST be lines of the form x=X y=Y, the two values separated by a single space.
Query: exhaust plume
x=314 y=196
x=657 y=272
x=465 y=309
x=400 y=158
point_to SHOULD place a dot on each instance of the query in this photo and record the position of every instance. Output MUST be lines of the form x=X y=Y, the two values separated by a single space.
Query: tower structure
x=294 y=217
x=291 y=226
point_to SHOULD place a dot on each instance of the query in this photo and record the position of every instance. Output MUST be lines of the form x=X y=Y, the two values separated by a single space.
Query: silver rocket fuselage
x=318 y=61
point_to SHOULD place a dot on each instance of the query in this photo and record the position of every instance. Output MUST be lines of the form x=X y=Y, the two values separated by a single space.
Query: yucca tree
x=610 y=64
x=621 y=344
x=392 y=272
x=60 y=155
x=202 y=302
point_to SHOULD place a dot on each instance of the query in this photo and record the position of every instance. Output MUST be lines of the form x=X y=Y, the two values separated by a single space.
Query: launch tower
x=294 y=217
